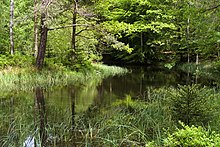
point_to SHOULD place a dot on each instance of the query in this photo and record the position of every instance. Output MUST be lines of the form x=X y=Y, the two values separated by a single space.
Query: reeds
x=127 y=122
x=28 y=78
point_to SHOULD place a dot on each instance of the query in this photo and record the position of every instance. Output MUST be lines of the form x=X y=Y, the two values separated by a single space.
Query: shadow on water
x=52 y=117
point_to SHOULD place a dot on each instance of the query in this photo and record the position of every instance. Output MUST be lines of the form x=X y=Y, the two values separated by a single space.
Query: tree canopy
x=132 y=31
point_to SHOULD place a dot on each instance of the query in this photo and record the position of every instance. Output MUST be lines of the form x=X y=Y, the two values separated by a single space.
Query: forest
x=109 y=73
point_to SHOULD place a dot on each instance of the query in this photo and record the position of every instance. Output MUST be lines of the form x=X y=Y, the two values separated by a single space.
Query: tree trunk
x=218 y=52
x=142 y=43
x=73 y=43
x=43 y=37
x=197 y=59
x=11 y=27
x=35 y=48
x=187 y=39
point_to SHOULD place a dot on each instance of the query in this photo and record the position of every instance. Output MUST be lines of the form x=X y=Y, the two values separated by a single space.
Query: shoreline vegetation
x=206 y=69
x=163 y=120
x=20 y=78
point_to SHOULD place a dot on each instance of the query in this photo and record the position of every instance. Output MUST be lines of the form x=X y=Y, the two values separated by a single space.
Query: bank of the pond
x=210 y=70
x=95 y=115
x=14 y=78
x=186 y=116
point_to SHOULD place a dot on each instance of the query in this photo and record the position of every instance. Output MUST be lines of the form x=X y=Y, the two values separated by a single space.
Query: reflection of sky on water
x=29 y=142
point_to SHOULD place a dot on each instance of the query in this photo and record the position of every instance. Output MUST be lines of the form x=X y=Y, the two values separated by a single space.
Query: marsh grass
x=13 y=79
x=25 y=128
x=128 y=122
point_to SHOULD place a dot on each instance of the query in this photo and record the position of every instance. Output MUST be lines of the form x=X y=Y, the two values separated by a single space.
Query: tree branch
x=81 y=31
x=212 y=8
x=63 y=27
x=84 y=36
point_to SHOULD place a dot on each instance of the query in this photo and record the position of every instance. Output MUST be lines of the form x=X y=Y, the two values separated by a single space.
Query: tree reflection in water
x=41 y=110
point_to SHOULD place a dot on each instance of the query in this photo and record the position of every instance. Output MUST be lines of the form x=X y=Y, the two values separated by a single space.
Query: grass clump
x=107 y=71
x=132 y=122
x=128 y=122
x=17 y=78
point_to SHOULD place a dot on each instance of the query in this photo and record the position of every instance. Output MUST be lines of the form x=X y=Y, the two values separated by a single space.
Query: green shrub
x=18 y=60
x=192 y=104
x=192 y=137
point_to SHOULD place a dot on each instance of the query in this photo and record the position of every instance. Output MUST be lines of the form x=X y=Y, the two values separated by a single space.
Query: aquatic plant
x=128 y=122
x=28 y=78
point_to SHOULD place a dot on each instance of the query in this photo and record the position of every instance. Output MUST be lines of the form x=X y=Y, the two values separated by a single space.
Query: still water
x=47 y=117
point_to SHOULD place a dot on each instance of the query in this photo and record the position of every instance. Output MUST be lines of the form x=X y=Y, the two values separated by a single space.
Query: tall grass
x=131 y=122
x=29 y=78
x=126 y=122
x=106 y=71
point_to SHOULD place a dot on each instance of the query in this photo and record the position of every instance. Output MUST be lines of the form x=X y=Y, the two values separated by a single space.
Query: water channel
x=25 y=116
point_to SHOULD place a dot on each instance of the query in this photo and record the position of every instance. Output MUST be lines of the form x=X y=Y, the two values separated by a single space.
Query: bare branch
x=81 y=31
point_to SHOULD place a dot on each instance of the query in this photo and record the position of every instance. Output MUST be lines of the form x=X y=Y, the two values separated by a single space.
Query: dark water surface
x=47 y=116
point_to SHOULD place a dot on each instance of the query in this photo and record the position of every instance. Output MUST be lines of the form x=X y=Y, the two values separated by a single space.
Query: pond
x=65 y=116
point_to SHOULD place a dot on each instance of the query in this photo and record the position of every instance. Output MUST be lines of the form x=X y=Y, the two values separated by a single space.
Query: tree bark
x=43 y=37
x=73 y=43
x=11 y=27
x=142 y=43
x=35 y=48
x=197 y=58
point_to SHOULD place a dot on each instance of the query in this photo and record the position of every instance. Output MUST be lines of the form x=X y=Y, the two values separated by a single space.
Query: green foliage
x=4 y=24
x=133 y=21
x=192 y=136
x=169 y=65
x=163 y=25
x=192 y=104
x=137 y=31
x=16 y=60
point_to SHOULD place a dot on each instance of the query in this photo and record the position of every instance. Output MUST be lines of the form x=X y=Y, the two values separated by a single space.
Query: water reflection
x=49 y=116
x=41 y=110
x=73 y=97
x=140 y=80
